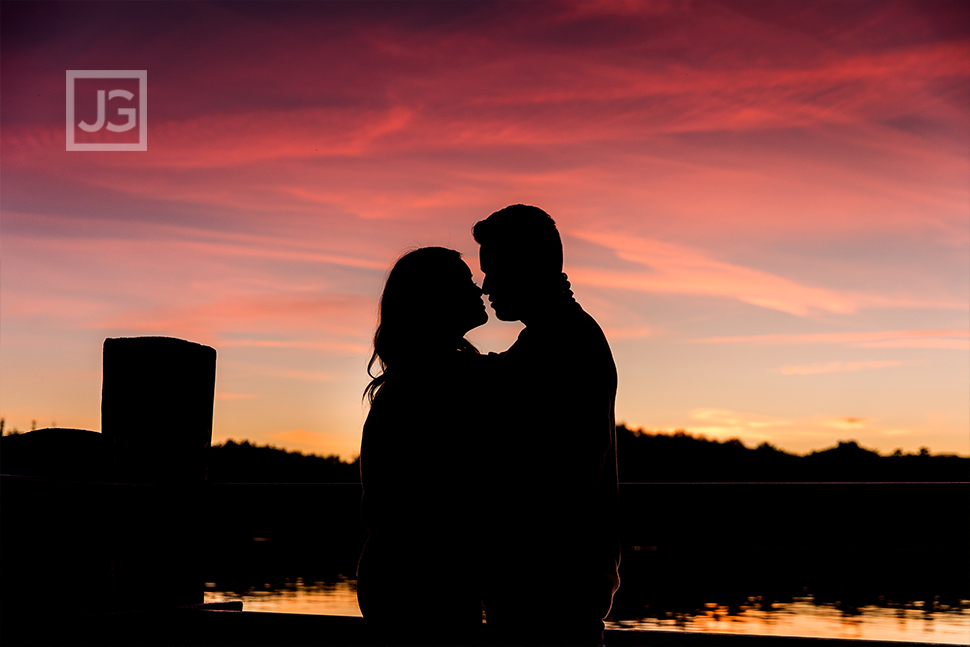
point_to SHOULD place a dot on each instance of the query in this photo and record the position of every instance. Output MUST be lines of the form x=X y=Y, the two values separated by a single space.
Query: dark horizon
x=643 y=457
x=922 y=451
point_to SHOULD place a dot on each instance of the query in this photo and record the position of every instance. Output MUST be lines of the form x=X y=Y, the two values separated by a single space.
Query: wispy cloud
x=804 y=161
x=628 y=332
x=724 y=422
x=835 y=367
x=324 y=322
x=800 y=434
x=925 y=342
x=130 y=241
x=678 y=269
x=296 y=374
x=223 y=395
x=335 y=346
x=948 y=339
x=212 y=250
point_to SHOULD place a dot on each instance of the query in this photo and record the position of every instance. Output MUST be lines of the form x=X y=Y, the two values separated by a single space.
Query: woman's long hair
x=411 y=298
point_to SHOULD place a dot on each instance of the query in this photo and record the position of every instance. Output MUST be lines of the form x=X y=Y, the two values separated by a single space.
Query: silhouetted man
x=552 y=552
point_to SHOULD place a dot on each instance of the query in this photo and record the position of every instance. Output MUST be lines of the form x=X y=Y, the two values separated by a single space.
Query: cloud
x=302 y=146
x=464 y=105
x=339 y=347
x=682 y=270
x=628 y=332
x=844 y=423
x=130 y=241
x=723 y=423
x=333 y=323
x=212 y=250
x=339 y=314
x=296 y=374
x=931 y=342
x=799 y=434
x=223 y=395
x=505 y=104
x=948 y=339
x=834 y=367
x=376 y=87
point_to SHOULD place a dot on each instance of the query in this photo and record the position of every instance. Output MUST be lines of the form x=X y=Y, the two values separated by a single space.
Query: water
x=855 y=561
x=805 y=617
x=337 y=598
x=800 y=617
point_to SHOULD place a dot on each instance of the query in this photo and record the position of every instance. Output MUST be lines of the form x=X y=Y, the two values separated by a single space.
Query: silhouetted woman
x=417 y=576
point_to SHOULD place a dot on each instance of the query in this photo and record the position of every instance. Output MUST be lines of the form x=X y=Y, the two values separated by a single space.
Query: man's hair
x=526 y=230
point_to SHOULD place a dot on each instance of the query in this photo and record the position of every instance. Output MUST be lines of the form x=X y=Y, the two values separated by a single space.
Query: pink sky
x=766 y=205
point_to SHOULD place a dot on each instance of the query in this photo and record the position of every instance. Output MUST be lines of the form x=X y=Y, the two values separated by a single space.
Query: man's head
x=521 y=257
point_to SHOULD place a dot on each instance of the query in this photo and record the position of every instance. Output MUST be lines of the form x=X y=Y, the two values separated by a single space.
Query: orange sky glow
x=766 y=205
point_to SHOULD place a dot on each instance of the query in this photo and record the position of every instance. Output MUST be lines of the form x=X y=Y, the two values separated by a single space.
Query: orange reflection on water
x=802 y=617
x=328 y=599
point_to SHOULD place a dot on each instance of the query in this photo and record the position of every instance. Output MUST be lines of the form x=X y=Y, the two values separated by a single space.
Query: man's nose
x=485 y=285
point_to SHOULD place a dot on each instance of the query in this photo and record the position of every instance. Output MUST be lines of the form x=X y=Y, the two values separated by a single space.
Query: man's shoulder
x=580 y=324
x=583 y=318
x=573 y=333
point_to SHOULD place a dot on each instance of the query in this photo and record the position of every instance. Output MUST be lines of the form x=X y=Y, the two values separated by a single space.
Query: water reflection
x=333 y=598
x=757 y=552
x=803 y=616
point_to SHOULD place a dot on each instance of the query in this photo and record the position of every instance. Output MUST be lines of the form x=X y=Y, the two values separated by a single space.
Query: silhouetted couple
x=489 y=478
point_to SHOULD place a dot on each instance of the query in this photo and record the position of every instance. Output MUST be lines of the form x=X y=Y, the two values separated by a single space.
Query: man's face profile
x=506 y=281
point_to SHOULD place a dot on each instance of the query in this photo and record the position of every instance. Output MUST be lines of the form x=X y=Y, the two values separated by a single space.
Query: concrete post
x=156 y=415
x=156 y=408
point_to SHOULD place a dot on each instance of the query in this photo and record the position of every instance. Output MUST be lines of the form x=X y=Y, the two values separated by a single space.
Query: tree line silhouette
x=244 y=462
x=855 y=544
x=644 y=456
x=680 y=457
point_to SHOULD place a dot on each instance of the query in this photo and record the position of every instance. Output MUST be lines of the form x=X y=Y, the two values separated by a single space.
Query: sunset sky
x=766 y=205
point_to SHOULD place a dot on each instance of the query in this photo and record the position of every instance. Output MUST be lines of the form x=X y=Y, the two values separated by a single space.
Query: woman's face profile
x=432 y=293
x=455 y=303
x=464 y=307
